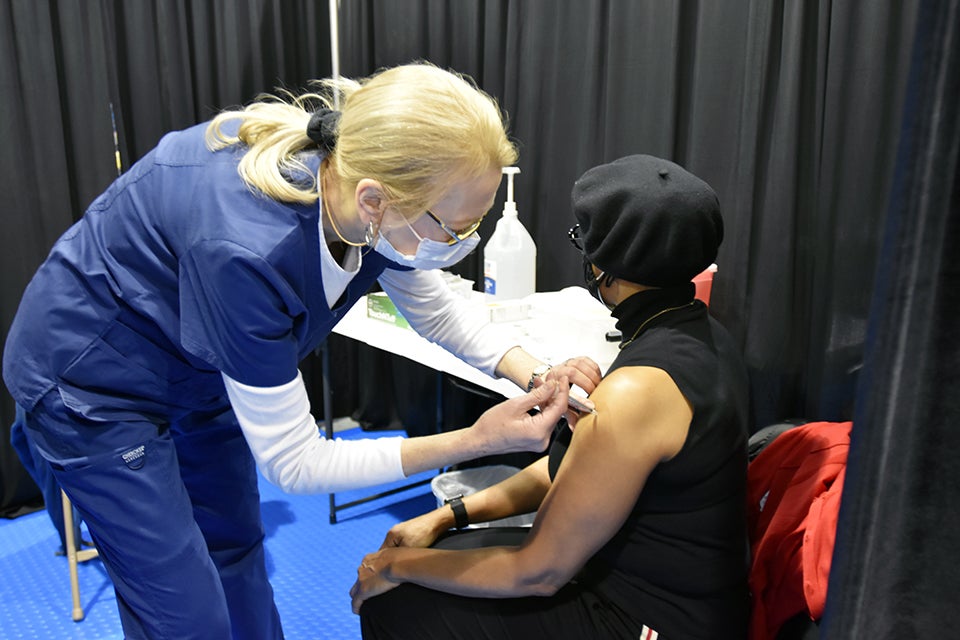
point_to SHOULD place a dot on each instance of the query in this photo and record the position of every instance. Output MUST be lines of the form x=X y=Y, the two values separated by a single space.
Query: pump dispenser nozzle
x=509 y=206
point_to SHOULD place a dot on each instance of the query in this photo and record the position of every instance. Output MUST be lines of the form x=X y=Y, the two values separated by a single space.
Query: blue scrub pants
x=174 y=510
x=38 y=470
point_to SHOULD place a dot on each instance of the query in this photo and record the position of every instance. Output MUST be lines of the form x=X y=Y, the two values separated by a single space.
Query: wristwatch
x=459 y=511
x=538 y=372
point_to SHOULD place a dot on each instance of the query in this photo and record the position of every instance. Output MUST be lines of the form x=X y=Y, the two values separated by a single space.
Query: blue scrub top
x=177 y=272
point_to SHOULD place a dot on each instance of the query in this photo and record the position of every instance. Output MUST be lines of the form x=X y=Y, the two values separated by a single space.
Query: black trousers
x=410 y=612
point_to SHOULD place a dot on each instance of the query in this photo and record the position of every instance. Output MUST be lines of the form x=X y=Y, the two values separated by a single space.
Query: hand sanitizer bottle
x=510 y=256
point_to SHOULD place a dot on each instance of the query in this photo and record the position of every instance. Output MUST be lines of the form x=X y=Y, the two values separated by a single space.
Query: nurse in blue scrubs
x=155 y=352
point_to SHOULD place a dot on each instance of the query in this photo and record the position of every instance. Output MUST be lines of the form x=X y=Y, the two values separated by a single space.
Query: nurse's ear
x=370 y=201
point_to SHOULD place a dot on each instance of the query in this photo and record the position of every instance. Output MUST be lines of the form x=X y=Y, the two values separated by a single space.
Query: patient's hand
x=371 y=580
x=421 y=531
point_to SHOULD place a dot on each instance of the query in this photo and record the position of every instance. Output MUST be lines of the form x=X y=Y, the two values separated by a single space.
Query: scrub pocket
x=124 y=375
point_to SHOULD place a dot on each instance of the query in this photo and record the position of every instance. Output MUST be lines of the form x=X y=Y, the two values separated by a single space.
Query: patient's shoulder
x=644 y=399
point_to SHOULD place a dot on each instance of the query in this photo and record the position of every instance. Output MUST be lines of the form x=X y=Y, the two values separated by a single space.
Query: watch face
x=538 y=371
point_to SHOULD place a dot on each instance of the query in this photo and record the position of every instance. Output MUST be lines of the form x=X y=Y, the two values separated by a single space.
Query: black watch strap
x=459 y=511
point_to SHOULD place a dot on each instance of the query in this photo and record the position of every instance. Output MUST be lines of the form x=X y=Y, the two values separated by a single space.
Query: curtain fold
x=894 y=564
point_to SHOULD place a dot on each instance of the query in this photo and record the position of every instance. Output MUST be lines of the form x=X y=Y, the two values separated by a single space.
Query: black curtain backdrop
x=895 y=561
x=791 y=110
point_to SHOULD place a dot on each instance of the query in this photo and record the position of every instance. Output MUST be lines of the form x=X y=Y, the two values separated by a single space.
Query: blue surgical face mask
x=430 y=254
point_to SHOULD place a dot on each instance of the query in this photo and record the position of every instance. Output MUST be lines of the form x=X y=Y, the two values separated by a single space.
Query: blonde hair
x=415 y=129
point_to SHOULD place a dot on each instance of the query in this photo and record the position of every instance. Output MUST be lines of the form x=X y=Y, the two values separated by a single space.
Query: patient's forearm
x=518 y=494
x=489 y=572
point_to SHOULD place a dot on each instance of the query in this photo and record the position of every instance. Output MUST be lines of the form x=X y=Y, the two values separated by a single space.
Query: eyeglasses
x=456 y=237
x=588 y=275
x=574 y=235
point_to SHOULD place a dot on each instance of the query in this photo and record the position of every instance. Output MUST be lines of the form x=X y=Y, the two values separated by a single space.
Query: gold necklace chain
x=648 y=320
x=326 y=208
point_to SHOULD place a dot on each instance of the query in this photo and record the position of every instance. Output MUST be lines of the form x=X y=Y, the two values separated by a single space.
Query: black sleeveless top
x=679 y=563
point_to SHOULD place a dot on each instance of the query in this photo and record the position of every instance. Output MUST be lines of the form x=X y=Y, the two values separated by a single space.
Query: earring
x=369 y=234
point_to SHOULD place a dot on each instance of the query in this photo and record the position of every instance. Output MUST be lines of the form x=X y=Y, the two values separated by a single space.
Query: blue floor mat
x=311 y=564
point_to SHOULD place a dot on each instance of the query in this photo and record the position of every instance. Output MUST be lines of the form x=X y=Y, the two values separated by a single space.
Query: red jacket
x=793 y=493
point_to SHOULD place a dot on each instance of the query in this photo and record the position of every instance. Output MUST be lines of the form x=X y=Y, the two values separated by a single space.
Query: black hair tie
x=323 y=128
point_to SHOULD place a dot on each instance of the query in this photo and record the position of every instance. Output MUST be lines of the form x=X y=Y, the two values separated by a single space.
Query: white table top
x=559 y=325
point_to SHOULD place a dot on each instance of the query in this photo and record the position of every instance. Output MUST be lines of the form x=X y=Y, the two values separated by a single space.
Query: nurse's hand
x=370 y=579
x=508 y=427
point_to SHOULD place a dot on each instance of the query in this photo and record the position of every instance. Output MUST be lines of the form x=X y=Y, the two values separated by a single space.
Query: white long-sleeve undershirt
x=277 y=423
x=292 y=453
x=425 y=300
x=441 y=316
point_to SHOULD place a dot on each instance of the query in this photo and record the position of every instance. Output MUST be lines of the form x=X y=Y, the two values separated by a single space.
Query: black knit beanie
x=647 y=220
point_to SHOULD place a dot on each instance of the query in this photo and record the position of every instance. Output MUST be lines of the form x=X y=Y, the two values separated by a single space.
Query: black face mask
x=593 y=282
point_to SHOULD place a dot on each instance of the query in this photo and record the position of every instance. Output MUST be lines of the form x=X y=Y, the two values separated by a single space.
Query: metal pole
x=335 y=47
